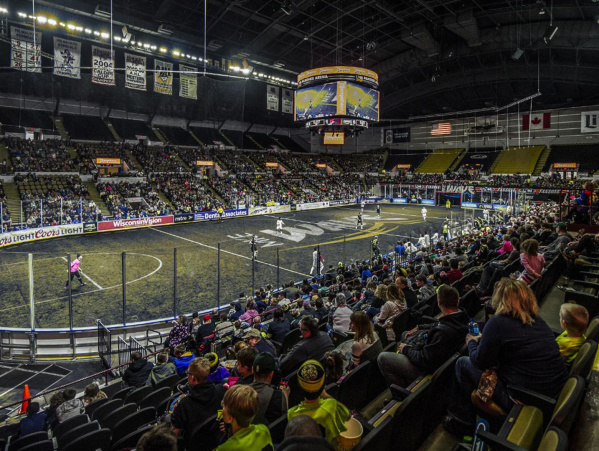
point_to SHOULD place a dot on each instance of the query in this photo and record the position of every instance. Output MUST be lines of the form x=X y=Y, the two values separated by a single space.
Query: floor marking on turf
x=359 y=237
x=229 y=252
x=86 y=276
x=45 y=301
x=26 y=262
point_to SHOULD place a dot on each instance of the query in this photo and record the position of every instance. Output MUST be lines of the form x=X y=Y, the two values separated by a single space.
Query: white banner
x=102 y=66
x=163 y=77
x=268 y=210
x=25 y=51
x=272 y=98
x=188 y=82
x=312 y=205
x=37 y=234
x=287 y=103
x=67 y=58
x=589 y=122
x=135 y=72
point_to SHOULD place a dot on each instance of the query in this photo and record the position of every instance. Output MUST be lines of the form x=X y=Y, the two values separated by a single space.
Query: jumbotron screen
x=316 y=101
x=362 y=102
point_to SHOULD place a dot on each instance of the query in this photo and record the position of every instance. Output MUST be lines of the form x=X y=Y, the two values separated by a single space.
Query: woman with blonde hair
x=518 y=345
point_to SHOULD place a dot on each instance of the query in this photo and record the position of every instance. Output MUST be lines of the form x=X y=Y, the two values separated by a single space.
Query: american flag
x=442 y=128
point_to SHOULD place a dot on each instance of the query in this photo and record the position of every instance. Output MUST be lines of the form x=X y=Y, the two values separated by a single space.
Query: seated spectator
x=92 y=393
x=278 y=327
x=409 y=294
x=364 y=336
x=554 y=248
x=250 y=313
x=70 y=407
x=205 y=332
x=240 y=406
x=304 y=433
x=313 y=345
x=160 y=438
x=532 y=261
x=574 y=319
x=236 y=311
x=255 y=339
x=179 y=333
x=35 y=421
x=273 y=401
x=225 y=327
x=317 y=404
x=341 y=315
x=203 y=401
x=454 y=272
x=138 y=371
x=431 y=345
x=518 y=345
x=245 y=365
x=321 y=312
x=55 y=401
x=161 y=370
x=395 y=305
x=425 y=289
x=183 y=358
x=218 y=373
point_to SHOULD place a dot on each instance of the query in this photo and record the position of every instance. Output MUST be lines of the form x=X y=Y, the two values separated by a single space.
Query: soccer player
x=280 y=225
x=220 y=213
x=315 y=257
x=362 y=205
x=378 y=210
x=423 y=211
x=254 y=247
x=360 y=222
x=75 y=271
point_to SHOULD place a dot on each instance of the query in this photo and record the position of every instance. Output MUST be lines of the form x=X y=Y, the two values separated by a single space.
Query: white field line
x=87 y=277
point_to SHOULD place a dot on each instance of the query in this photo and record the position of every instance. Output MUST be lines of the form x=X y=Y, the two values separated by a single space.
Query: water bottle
x=473 y=327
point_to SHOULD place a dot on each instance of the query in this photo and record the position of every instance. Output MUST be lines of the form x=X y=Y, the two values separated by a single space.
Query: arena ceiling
x=433 y=56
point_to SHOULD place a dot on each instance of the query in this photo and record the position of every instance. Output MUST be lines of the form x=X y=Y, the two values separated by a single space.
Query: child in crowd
x=574 y=319
x=240 y=406
x=218 y=373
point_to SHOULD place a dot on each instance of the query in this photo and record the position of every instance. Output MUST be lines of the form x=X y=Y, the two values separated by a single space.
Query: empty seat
x=584 y=359
x=170 y=382
x=133 y=422
x=593 y=329
x=130 y=440
x=69 y=424
x=155 y=398
x=93 y=441
x=122 y=393
x=138 y=394
x=204 y=436
x=90 y=408
x=77 y=432
x=165 y=404
x=106 y=408
x=45 y=445
x=27 y=440
x=122 y=412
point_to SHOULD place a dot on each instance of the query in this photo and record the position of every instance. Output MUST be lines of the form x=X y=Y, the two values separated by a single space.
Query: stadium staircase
x=133 y=160
x=115 y=135
x=5 y=155
x=258 y=145
x=94 y=195
x=458 y=160
x=542 y=160
x=159 y=135
x=518 y=160
x=60 y=127
x=226 y=140
x=72 y=152
x=193 y=135
x=496 y=161
x=13 y=202
x=279 y=143
x=439 y=161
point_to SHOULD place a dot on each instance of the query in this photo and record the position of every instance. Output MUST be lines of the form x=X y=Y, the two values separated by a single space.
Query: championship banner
x=272 y=98
x=67 y=58
x=188 y=82
x=287 y=103
x=25 y=51
x=163 y=77
x=135 y=72
x=102 y=66
x=396 y=135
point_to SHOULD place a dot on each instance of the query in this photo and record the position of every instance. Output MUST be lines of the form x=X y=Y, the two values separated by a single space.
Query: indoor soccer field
x=149 y=262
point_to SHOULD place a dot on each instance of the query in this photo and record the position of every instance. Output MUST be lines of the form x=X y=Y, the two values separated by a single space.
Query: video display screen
x=316 y=101
x=362 y=102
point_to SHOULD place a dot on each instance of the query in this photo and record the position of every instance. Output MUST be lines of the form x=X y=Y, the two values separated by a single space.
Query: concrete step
x=94 y=195
x=60 y=127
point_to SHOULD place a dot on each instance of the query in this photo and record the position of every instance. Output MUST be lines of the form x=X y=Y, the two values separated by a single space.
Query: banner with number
x=102 y=66
x=188 y=82
x=25 y=49
x=163 y=77
x=287 y=104
x=272 y=98
x=67 y=58
x=135 y=72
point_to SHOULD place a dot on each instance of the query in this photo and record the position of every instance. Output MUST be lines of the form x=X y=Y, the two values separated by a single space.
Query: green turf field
x=150 y=262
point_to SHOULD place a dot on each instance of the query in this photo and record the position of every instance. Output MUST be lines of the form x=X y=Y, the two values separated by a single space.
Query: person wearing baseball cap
x=257 y=341
x=330 y=414
x=273 y=401
x=205 y=331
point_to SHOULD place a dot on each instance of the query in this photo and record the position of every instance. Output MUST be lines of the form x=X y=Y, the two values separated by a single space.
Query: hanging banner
x=135 y=72
x=163 y=77
x=272 y=98
x=67 y=58
x=396 y=135
x=188 y=82
x=102 y=66
x=25 y=50
x=287 y=104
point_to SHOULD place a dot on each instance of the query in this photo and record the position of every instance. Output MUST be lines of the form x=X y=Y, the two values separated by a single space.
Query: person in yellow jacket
x=448 y=205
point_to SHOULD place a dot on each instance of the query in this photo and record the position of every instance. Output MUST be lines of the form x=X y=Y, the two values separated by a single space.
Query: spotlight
x=550 y=33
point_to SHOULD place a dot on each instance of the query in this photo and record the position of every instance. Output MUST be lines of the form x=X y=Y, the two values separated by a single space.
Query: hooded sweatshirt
x=202 y=402
x=137 y=373
x=160 y=372
x=69 y=409
x=182 y=363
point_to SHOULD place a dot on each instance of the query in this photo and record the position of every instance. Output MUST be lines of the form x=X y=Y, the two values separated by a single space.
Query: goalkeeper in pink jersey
x=75 y=271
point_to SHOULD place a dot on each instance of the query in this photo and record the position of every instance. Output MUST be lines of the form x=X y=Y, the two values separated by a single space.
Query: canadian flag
x=536 y=121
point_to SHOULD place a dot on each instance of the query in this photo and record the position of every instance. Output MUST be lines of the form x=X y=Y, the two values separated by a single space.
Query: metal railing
x=104 y=344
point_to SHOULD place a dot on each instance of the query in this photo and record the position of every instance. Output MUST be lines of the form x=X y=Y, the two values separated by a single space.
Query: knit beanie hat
x=310 y=377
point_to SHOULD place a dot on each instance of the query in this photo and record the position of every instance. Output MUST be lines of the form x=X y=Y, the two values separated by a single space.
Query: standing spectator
x=162 y=370
x=203 y=400
x=70 y=407
x=205 y=332
x=136 y=375
x=313 y=345
x=35 y=421
x=273 y=402
x=240 y=406
x=179 y=333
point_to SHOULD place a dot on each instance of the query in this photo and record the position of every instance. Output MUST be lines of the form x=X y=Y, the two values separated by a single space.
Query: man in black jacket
x=437 y=342
x=202 y=401
x=136 y=375
x=313 y=345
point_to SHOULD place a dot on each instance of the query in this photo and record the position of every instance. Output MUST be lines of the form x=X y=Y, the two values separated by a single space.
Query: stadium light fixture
x=162 y=50
x=41 y=19
x=176 y=53
x=52 y=22
x=104 y=35
x=117 y=38
x=71 y=27
x=32 y=17
x=88 y=31
x=194 y=58
x=139 y=44
x=188 y=56
x=245 y=71
x=3 y=10
x=23 y=15
x=550 y=33
x=79 y=29
x=146 y=46
x=96 y=33
x=152 y=47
